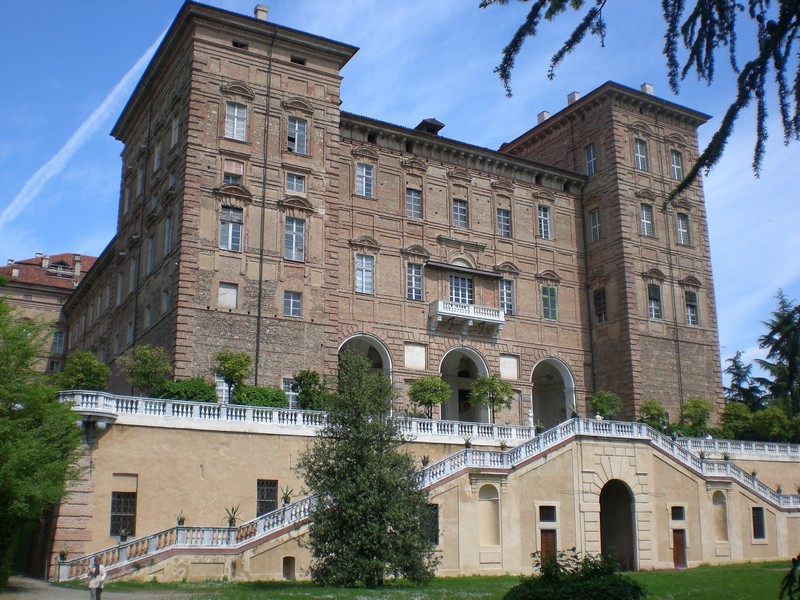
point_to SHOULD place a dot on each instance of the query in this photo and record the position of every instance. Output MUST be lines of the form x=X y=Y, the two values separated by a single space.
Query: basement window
x=240 y=45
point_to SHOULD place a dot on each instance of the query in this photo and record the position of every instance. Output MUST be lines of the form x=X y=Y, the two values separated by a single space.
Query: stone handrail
x=469 y=458
x=722 y=447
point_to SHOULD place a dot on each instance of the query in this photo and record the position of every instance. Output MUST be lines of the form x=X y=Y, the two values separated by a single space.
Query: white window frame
x=460 y=213
x=647 y=221
x=231 y=228
x=292 y=304
x=291 y=395
x=236 y=121
x=132 y=273
x=413 y=203
x=507 y=296
x=414 y=281
x=151 y=254
x=594 y=225
x=57 y=345
x=294 y=239
x=682 y=229
x=295 y=182
x=174 y=131
x=462 y=289
x=168 y=234
x=232 y=172
x=600 y=302
x=654 y=310
x=365 y=274
x=365 y=178
x=550 y=302
x=590 y=155
x=297 y=135
x=692 y=312
x=157 y=156
x=640 y=154
x=676 y=164
x=503 y=216
x=545 y=222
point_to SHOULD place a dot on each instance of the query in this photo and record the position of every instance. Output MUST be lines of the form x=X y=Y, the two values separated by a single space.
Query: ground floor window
x=123 y=513
x=266 y=496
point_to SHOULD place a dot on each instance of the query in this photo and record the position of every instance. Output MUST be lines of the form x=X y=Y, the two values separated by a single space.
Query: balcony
x=465 y=318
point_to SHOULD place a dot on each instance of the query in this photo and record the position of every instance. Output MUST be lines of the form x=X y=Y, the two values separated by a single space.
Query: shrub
x=654 y=414
x=605 y=404
x=694 y=416
x=83 y=372
x=254 y=395
x=311 y=392
x=148 y=367
x=196 y=388
x=429 y=391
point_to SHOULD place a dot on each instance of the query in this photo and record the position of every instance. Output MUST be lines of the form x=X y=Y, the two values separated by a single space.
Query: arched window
x=720 y=516
x=489 y=515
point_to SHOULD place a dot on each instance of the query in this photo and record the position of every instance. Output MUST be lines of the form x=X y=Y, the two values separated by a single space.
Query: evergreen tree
x=743 y=388
x=370 y=520
x=782 y=343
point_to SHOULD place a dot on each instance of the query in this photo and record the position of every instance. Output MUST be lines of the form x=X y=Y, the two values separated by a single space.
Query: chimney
x=647 y=88
x=10 y=261
x=573 y=97
x=261 y=12
x=542 y=117
x=76 y=265
x=430 y=125
x=45 y=262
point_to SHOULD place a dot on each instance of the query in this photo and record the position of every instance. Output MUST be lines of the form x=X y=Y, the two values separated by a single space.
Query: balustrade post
x=63 y=571
x=152 y=544
x=122 y=553
x=232 y=536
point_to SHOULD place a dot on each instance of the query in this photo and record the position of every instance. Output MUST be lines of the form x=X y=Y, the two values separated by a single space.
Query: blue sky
x=65 y=87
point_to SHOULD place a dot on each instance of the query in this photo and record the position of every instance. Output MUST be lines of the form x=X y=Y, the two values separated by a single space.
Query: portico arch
x=617 y=523
x=372 y=348
x=553 y=392
x=459 y=368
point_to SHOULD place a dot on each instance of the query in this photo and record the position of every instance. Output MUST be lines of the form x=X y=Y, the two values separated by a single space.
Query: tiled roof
x=60 y=272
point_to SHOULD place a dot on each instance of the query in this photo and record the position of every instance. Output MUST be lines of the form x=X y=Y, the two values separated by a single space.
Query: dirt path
x=25 y=588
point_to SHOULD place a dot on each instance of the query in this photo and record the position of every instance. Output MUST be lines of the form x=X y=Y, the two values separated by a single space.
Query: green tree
x=782 y=343
x=702 y=28
x=736 y=420
x=38 y=438
x=694 y=416
x=254 y=395
x=369 y=523
x=83 y=372
x=654 y=414
x=493 y=392
x=148 y=368
x=770 y=425
x=311 y=391
x=429 y=391
x=605 y=404
x=233 y=367
x=743 y=388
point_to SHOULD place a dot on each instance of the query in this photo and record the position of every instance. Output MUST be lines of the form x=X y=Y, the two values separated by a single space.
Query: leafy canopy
x=369 y=522
x=493 y=392
x=429 y=391
x=702 y=28
x=83 y=372
x=233 y=367
x=148 y=368
x=605 y=404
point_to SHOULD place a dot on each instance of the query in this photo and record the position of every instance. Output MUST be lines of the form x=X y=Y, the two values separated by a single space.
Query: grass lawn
x=748 y=581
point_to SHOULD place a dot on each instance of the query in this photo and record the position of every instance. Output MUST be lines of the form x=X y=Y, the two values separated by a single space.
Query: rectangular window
x=230 y=228
x=676 y=162
x=151 y=254
x=171 y=180
x=682 y=226
x=167 y=235
x=291 y=393
x=640 y=154
x=544 y=222
x=654 y=301
x=547 y=514
x=228 y=295
x=594 y=225
x=677 y=513
x=57 y=347
x=549 y=303
x=365 y=268
x=120 y=287
x=157 y=156
x=414 y=281
x=647 y=221
x=232 y=172
x=413 y=203
x=460 y=213
x=148 y=316
x=54 y=366
x=759 y=529
x=364 y=174
x=132 y=275
x=507 y=296
x=139 y=181
x=174 y=130
x=461 y=290
x=236 y=121
x=126 y=199
x=297 y=136
x=294 y=240
x=600 y=314
x=123 y=513
x=295 y=183
x=503 y=222
x=166 y=301
x=292 y=304
x=266 y=496
x=129 y=332
x=591 y=159
x=430 y=519
x=691 y=308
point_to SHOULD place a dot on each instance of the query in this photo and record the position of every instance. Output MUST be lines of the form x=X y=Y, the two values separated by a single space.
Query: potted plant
x=286 y=494
x=63 y=552
x=503 y=445
x=232 y=513
x=780 y=488
x=467 y=442
x=123 y=535
x=425 y=460
x=180 y=518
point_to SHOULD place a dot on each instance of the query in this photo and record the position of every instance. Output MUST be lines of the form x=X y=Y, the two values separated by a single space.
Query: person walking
x=97 y=576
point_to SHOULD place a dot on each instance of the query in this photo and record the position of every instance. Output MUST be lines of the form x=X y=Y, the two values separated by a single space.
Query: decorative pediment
x=677 y=140
x=234 y=195
x=682 y=204
x=415 y=250
x=239 y=88
x=640 y=127
x=508 y=267
x=176 y=100
x=300 y=104
x=460 y=175
x=462 y=260
x=691 y=282
x=364 y=152
x=366 y=242
x=502 y=185
x=296 y=203
x=415 y=165
x=646 y=195
x=549 y=276
x=543 y=195
x=654 y=276
x=597 y=279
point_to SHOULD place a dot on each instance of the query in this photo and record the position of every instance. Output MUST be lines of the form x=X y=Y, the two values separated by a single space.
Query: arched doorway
x=372 y=348
x=553 y=392
x=460 y=367
x=617 y=529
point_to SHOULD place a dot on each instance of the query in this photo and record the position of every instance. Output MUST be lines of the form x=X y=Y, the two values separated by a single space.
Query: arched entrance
x=372 y=348
x=617 y=530
x=460 y=367
x=553 y=392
